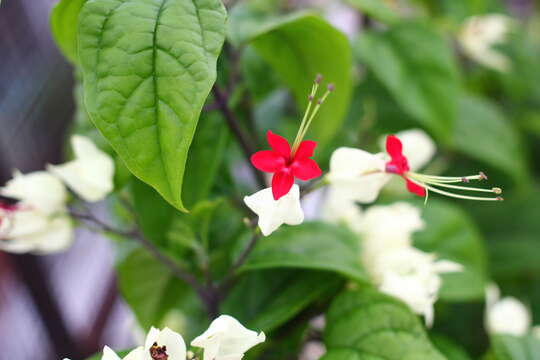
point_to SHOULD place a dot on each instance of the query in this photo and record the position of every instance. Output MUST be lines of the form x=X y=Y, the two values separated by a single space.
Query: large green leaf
x=451 y=235
x=450 y=349
x=484 y=133
x=315 y=245
x=148 y=66
x=367 y=325
x=263 y=300
x=157 y=298
x=298 y=47
x=417 y=66
x=376 y=9
x=507 y=347
x=64 y=18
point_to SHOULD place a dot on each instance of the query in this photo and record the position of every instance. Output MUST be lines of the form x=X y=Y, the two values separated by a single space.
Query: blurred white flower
x=479 y=35
x=507 y=315
x=227 y=339
x=411 y=276
x=164 y=345
x=90 y=174
x=387 y=227
x=361 y=175
x=273 y=213
x=38 y=223
x=339 y=208
x=135 y=354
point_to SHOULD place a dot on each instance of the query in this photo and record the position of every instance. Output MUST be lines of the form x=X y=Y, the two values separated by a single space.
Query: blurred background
x=68 y=304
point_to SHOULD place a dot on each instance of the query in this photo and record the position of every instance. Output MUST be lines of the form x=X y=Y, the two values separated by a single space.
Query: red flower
x=286 y=165
x=400 y=165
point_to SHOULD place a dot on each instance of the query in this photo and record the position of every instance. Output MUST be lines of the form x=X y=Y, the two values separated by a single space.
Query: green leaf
x=315 y=245
x=365 y=324
x=63 y=20
x=157 y=297
x=449 y=348
x=376 y=9
x=485 y=134
x=298 y=47
x=263 y=300
x=148 y=67
x=417 y=66
x=451 y=235
x=205 y=156
x=507 y=347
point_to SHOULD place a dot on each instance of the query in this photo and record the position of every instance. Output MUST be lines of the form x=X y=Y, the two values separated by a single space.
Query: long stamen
x=316 y=109
x=449 y=194
x=311 y=97
x=450 y=179
x=494 y=190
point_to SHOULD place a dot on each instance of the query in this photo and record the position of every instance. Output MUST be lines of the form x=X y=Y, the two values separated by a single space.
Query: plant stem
x=135 y=234
x=229 y=279
x=234 y=126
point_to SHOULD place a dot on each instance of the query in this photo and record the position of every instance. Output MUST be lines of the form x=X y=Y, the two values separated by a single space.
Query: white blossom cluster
x=225 y=339
x=39 y=222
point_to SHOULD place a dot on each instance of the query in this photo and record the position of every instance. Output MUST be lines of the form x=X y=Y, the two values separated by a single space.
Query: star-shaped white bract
x=227 y=339
x=274 y=213
x=90 y=174
x=170 y=340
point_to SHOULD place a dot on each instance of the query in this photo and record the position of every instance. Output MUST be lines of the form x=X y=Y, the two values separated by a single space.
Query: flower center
x=158 y=352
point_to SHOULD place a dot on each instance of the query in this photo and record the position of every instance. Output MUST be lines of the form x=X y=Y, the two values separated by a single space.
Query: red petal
x=394 y=147
x=282 y=182
x=279 y=144
x=305 y=149
x=415 y=188
x=306 y=169
x=267 y=161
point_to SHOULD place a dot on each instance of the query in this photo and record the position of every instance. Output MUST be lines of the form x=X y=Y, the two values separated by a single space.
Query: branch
x=234 y=126
x=150 y=247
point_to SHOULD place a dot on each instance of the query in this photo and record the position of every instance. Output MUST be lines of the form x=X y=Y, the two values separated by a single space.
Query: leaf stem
x=234 y=126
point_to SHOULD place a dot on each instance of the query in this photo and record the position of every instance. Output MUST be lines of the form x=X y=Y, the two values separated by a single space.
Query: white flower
x=272 y=214
x=411 y=276
x=387 y=227
x=227 y=339
x=90 y=174
x=361 y=175
x=39 y=190
x=166 y=342
x=339 y=208
x=479 y=35
x=39 y=224
x=135 y=354
x=507 y=315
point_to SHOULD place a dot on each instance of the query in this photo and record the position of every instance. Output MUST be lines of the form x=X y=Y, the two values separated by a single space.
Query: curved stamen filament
x=449 y=194
x=447 y=179
x=466 y=188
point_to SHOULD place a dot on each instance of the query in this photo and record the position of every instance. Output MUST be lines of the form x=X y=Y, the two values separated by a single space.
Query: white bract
x=164 y=342
x=273 y=213
x=40 y=223
x=411 y=276
x=360 y=175
x=507 y=315
x=479 y=36
x=90 y=174
x=227 y=339
x=339 y=208
x=135 y=354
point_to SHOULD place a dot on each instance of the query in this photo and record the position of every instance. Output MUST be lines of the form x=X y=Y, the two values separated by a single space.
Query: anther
x=310 y=98
x=319 y=102
x=318 y=79
x=465 y=180
x=331 y=87
x=482 y=176
x=499 y=198
x=497 y=190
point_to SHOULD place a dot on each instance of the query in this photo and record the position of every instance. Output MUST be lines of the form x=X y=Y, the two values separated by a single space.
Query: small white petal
x=339 y=208
x=90 y=174
x=227 y=339
x=358 y=173
x=135 y=354
x=508 y=316
x=272 y=214
x=176 y=347
x=56 y=238
x=109 y=354
x=151 y=338
x=38 y=190
x=447 y=266
x=418 y=147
